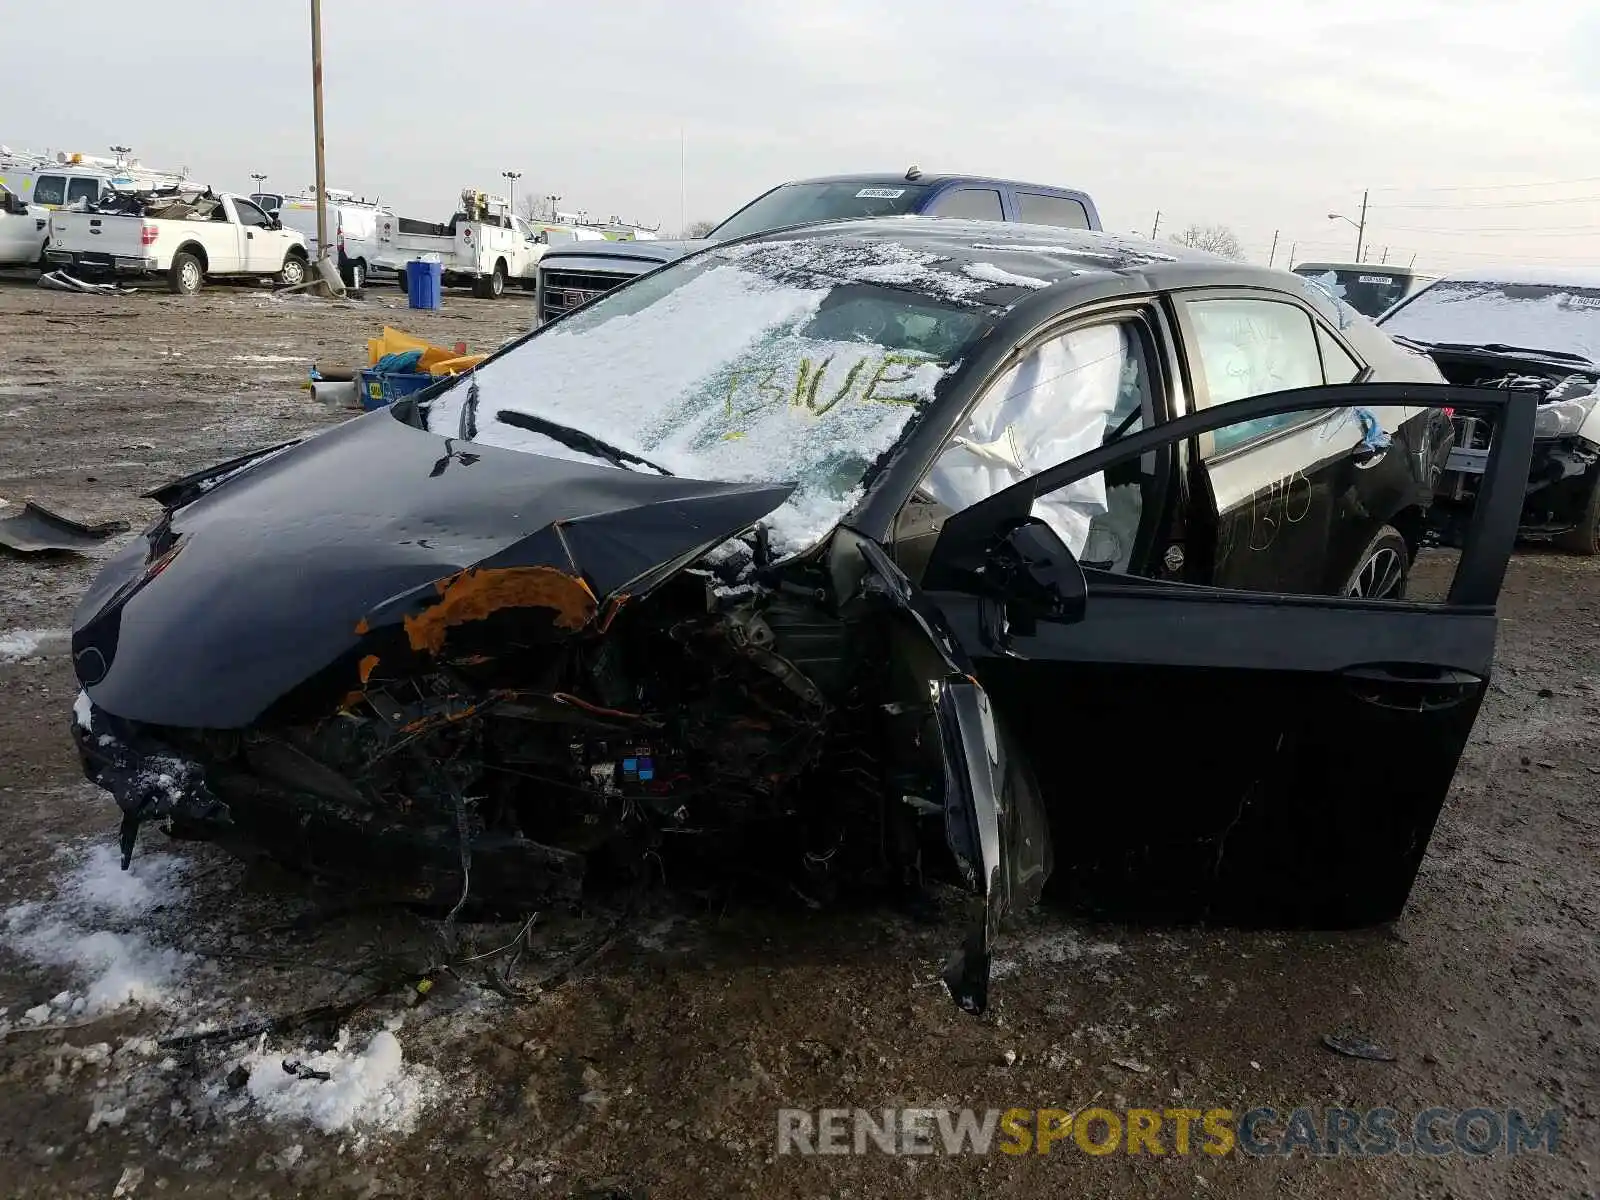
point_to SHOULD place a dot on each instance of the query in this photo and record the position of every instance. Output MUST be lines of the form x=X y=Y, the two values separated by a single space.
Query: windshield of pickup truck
x=1564 y=318
x=790 y=361
x=798 y=203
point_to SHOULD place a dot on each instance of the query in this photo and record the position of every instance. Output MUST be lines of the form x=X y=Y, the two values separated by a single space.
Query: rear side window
x=83 y=189
x=1035 y=208
x=973 y=204
x=51 y=189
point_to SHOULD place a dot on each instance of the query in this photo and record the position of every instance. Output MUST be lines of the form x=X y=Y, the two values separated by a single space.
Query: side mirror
x=1030 y=575
x=274 y=223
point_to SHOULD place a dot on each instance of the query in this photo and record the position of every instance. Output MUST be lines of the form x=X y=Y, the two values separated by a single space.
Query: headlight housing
x=1561 y=418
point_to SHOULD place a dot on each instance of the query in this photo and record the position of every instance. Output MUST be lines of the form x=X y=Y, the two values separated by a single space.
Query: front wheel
x=294 y=271
x=1383 y=568
x=185 y=276
x=1584 y=537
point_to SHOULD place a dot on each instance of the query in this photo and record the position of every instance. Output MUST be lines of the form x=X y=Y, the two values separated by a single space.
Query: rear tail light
x=148 y=235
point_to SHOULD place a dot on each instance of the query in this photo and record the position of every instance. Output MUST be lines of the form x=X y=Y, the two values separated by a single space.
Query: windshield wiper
x=576 y=439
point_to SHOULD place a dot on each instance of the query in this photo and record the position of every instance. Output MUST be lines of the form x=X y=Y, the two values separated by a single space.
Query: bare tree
x=533 y=207
x=697 y=229
x=1218 y=239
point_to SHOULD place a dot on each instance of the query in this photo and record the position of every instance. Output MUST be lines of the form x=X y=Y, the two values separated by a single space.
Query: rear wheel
x=1383 y=568
x=493 y=285
x=355 y=276
x=186 y=275
x=1584 y=538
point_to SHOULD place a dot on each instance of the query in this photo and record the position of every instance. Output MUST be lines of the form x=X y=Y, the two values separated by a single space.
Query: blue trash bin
x=424 y=284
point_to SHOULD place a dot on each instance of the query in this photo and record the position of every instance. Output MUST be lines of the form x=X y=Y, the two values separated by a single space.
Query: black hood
x=273 y=568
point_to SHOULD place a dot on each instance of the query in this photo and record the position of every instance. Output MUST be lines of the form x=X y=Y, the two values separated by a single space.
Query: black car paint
x=272 y=571
x=342 y=531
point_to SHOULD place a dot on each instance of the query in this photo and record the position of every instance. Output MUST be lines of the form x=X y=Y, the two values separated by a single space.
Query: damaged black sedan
x=888 y=553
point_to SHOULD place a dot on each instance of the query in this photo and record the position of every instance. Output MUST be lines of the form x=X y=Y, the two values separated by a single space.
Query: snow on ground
x=93 y=927
x=371 y=1089
x=19 y=644
x=118 y=936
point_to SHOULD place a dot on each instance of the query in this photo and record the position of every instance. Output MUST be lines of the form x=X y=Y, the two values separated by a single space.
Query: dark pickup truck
x=574 y=274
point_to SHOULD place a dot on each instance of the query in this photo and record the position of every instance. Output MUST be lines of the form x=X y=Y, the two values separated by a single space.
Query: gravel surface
x=657 y=1057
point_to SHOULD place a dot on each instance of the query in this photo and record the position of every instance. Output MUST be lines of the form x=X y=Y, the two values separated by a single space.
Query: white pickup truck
x=483 y=246
x=23 y=229
x=231 y=237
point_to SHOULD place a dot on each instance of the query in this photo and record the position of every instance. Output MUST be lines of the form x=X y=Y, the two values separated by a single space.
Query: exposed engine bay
x=1560 y=480
x=489 y=755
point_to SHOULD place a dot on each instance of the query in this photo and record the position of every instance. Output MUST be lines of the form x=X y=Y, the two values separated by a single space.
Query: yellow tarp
x=394 y=341
x=456 y=366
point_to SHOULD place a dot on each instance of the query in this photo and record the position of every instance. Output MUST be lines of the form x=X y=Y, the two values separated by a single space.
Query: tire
x=355 y=277
x=294 y=271
x=1383 y=570
x=492 y=286
x=1584 y=538
x=186 y=276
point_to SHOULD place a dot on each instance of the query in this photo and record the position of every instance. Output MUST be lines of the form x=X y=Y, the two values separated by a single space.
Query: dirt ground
x=657 y=1065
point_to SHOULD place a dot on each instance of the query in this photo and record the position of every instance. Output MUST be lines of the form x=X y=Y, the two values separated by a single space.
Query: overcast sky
x=1260 y=114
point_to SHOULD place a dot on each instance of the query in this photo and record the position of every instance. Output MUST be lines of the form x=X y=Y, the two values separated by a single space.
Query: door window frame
x=966 y=535
x=939 y=197
x=1156 y=342
x=1019 y=193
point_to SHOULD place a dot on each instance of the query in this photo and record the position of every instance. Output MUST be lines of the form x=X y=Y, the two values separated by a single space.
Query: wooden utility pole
x=322 y=167
x=1361 y=229
x=1273 y=253
x=1156 y=226
x=1293 y=246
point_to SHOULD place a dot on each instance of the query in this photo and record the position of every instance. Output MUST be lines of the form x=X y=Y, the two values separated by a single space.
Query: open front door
x=1209 y=752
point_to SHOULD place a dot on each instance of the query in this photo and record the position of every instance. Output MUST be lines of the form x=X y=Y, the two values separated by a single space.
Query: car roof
x=1051 y=253
x=890 y=179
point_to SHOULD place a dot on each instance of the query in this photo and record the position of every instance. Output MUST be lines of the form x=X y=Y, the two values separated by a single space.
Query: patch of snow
x=269 y=358
x=990 y=273
x=17 y=645
x=83 y=711
x=371 y=1090
x=75 y=930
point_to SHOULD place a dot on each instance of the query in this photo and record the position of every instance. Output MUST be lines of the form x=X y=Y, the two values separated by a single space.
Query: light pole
x=1359 y=226
x=552 y=200
x=513 y=176
x=261 y=181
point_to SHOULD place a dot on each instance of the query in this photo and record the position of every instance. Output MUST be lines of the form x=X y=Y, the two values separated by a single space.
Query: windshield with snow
x=772 y=361
x=798 y=203
x=1553 y=317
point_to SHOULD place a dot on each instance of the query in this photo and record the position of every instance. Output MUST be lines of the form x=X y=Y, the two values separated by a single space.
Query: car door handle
x=250 y=237
x=1412 y=687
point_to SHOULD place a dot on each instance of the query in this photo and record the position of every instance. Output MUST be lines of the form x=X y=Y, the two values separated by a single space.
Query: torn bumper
x=149 y=781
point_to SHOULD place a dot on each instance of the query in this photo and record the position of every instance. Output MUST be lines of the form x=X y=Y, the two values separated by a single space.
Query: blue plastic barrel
x=424 y=283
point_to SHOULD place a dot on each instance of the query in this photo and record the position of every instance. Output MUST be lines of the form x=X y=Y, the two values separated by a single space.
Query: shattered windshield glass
x=799 y=361
x=1564 y=318
x=798 y=203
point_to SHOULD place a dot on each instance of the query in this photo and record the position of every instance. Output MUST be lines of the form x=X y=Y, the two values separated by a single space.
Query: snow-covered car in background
x=1535 y=328
x=864 y=554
